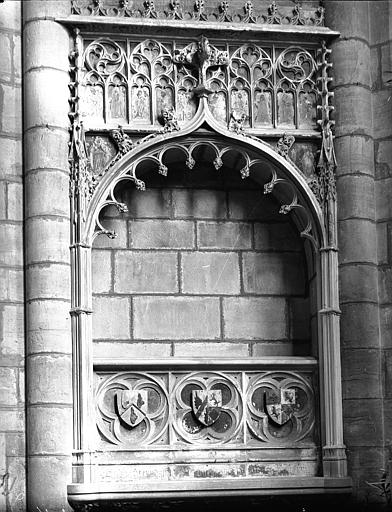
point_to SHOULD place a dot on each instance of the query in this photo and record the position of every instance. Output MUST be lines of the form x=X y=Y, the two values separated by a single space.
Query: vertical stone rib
x=48 y=344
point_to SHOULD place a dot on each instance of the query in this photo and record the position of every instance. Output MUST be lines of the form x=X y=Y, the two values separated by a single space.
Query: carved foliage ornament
x=202 y=11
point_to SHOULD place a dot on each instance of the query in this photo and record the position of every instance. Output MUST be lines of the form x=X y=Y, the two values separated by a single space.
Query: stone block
x=357 y=241
x=387 y=372
x=50 y=430
x=3 y=200
x=299 y=319
x=49 y=326
x=53 y=154
x=11 y=109
x=351 y=63
x=252 y=205
x=386 y=64
x=52 y=379
x=48 y=280
x=12 y=330
x=358 y=283
x=5 y=55
x=350 y=18
x=38 y=55
x=193 y=203
x=273 y=273
x=176 y=318
x=275 y=349
x=383 y=156
x=386 y=325
x=15 y=201
x=382 y=113
x=11 y=15
x=379 y=26
x=363 y=422
x=105 y=310
x=47 y=475
x=101 y=271
x=359 y=326
x=47 y=239
x=145 y=272
x=162 y=234
x=17 y=55
x=356 y=197
x=11 y=158
x=349 y=118
x=45 y=9
x=388 y=421
x=8 y=387
x=361 y=373
x=152 y=203
x=15 y=444
x=17 y=495
x=40 y=202
x=41 y=108
x=355 y=153
x=13 y=421
x=364 y=465
x=383 y=240
x=119 y=226
x=254 y=318
x=11 y=288
x=211 y=349
x=277 y=237
x=11 y=248
x=375 y=68
x=213 y=273
x=385 y=285
x=21 y=386
x=131 y=350
x=224 y=235
x=383 y=195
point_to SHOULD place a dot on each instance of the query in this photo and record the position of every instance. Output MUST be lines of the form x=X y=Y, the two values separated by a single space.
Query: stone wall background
x=12 y=414
x=200 y=272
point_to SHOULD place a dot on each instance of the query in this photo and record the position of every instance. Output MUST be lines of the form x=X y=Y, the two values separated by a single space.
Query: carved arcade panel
x=204 y=408
x=136 y=83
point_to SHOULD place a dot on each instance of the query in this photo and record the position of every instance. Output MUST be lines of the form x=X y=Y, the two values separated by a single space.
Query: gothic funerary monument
x=196 y=254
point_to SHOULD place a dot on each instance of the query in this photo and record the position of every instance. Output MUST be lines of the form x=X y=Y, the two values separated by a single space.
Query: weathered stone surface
x=46 y=109
x=48 y=326
x=11 y=115
x=275 y=349
x=48 y=280
x=101 y=270
x=299 y=318
x=149 y=203
x=254 y=318
x=53 y=154
x=383 y=155
x=105 y=310
x=252 y=205
x=162 y=234
x=119 y=226
x=361 y=373
x=193 y=203
x=10 y=12
x=358 y=283
x=5 y=54
x=43 y=420
x=3 y=200
x=47 y=240
x=350 y=18
x=17 y=496
x=11 y=157
x=355 y=153
x=383 y=241
x=42 y=55
x=383 y=194
x=52 y=379
x=379 y=26
x=224 y=235
x=357 y=241
x=131 y=350
x=385 y=285
x=145 y=272
x=11 y=248
x=386 y=325
x=386 y=60
x=388 y=421
x=364 y=465
x=210 y=273
x=359 y=326
x=11 y=288
x=382 y=113
x=13 y=421
x=38 y=203
x=15 y=444
x=15 y=201
x=350 y=118
x=213 y=350
x=356 y=194
x=276 y=237
x=273 y=273
x=12 y=329
x=176 y=318
x=351 y=62
x=362 y=422
x=387 y=372
x=375 y=67
x=8 y=387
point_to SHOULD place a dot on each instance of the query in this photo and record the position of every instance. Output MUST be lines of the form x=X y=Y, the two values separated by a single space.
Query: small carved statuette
x=224 y=11
x=176 y=12
x=249 y=16
x=236 y=123
x=170 y=120
x=150 y=10
x=284 y=145
x=122 y=140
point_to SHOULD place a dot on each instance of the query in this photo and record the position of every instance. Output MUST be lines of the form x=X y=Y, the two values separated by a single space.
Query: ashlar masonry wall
x=194 y=272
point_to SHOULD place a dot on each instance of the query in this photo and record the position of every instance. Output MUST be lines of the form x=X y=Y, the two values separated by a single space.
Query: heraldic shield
x=280 y=404
x=207 y=405
x=132 y=406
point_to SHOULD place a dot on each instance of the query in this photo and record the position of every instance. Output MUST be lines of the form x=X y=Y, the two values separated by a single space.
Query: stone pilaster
x=361 y=357
x=48 y=343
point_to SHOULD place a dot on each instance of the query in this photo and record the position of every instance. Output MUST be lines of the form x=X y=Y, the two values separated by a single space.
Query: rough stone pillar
x=48 y=344
x=362 y=396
